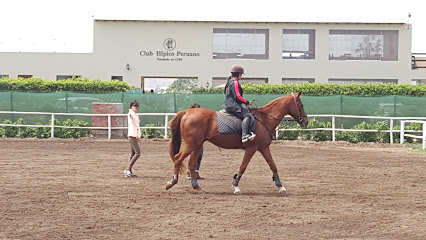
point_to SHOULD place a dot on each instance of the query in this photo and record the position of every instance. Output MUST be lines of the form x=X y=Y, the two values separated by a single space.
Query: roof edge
x=223 y=21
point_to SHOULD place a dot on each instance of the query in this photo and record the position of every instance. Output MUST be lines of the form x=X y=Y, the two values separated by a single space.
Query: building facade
x=271 y=52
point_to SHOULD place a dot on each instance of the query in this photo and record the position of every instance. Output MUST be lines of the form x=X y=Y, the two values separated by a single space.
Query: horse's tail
x=176 y=139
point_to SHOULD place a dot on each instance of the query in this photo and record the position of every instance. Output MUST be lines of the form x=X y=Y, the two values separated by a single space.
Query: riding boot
x=245 y=129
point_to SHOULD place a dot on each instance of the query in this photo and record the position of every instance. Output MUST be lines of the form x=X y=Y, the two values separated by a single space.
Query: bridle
x=298 y=120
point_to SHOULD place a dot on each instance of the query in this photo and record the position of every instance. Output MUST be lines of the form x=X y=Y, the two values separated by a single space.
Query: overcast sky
x=67 y=26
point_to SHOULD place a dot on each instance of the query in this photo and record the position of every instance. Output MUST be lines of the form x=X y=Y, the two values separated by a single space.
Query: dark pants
x=243 y=114
x=136 y=151
x=247 y=117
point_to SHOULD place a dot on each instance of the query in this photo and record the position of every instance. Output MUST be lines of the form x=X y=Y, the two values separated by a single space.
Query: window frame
x=303 y=55
x=240 y=55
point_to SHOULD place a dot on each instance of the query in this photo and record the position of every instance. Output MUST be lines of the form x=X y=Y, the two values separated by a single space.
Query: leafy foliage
x=329 y=89
x=183 y=85
x=151 y=133
x=69 y=85
x=354 y=137
x=44 y=132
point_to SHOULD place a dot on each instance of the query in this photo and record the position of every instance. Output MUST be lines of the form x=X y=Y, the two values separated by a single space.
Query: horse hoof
x=169 y=185
x=237 y=190
x=200 y=190
x=282 y=190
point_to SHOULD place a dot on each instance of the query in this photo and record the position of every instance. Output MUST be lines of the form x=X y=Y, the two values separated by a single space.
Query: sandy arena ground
x=75 y=189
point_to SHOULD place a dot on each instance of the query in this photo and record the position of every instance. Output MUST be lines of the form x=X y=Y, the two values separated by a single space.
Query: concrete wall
x=118 y=43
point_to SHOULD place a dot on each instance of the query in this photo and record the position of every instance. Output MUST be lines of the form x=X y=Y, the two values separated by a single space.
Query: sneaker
x=188 y=175
x=127 y=173
x=245 y=138
x=252 y=136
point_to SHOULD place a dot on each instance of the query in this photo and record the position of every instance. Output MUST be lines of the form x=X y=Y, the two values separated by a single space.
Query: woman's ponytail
x=226 y=86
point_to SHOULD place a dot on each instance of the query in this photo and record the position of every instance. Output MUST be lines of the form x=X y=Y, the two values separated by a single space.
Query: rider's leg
x=245 y=129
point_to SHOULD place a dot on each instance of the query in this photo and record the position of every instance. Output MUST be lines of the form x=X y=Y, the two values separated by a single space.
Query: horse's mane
x=270 y=104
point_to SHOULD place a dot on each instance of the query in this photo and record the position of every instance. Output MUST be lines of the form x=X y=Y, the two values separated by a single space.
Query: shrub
x=151 y=133
x=288 y=135
x=9 y=131
x=382 y=137
x=319 y=135
x=71 y=85
x=329 y=89
x=75 y=132
x=42 y=132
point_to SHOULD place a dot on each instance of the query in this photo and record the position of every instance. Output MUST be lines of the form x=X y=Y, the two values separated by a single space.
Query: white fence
x=168 y=116
x=109 y=127
x=403 y=134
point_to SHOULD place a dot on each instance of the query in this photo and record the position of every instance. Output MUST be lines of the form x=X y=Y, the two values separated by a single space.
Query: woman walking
x=134 y=133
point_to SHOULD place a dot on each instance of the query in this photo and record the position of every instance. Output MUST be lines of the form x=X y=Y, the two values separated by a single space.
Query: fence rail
x=403 y=134
x=167 y=116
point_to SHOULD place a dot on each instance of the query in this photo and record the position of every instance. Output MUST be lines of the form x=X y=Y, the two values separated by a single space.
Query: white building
x=272 y=52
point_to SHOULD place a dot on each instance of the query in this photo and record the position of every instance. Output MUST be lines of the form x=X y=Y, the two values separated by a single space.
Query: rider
x=234 y=100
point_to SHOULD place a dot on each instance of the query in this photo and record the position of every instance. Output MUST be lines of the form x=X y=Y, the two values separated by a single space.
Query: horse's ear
x=300 y=93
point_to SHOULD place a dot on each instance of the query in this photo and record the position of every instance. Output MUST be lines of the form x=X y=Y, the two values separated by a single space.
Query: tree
x=183 y=85
x=370 y=46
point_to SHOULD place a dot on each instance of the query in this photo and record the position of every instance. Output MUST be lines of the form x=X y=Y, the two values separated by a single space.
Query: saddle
x=229 y=124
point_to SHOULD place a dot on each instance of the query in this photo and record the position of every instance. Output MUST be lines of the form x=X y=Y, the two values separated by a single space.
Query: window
x=25 y=76
x=297 y=80
x=381 y=45
x=65 y=77
x=221 y=81
x=236 y=43
x=3 y=76
x=119 y=78
x=418 y=81
x=298 y=44
x=361 y=81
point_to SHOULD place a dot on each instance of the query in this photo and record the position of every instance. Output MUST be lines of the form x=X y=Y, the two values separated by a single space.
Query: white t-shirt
x=133 y=121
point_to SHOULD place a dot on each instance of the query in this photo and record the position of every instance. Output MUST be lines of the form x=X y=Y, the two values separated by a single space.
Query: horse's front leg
x=237 y=177
x=266 y=153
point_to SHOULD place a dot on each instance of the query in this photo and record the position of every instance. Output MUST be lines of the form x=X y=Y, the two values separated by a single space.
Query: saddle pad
x=229 y=124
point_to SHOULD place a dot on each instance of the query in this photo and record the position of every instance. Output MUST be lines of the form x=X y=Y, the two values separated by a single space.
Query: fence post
x=109 y=127
x=166 y=121
x=424 y=136
x=401 y=135
x=52 y=126
x=391 y=130
x=277 y=133
x=333 y=127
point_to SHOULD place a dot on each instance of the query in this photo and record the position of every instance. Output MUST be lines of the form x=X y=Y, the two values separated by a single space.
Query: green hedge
x=329 y=89
x=70 y=85
x=44 y=132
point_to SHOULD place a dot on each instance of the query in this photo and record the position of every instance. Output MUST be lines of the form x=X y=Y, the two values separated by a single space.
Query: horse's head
x=296 y=110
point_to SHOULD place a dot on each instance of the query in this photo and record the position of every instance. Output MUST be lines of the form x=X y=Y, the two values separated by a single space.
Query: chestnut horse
x=200 y=124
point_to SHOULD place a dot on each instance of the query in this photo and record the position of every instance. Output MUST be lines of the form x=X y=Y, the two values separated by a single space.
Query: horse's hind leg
x=192 y=164
x=178 y=164
x=266 y=153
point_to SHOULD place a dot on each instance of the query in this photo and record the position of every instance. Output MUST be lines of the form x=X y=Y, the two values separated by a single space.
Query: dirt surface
x=76 y=189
